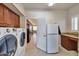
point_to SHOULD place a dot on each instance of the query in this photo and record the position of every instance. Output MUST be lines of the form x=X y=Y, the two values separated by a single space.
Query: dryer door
x=22 y=39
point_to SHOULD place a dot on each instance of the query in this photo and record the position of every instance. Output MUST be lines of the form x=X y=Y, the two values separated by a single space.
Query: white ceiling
x=44 y=6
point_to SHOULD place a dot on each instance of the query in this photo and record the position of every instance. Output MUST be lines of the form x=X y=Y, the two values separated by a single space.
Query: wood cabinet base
x=68 y=43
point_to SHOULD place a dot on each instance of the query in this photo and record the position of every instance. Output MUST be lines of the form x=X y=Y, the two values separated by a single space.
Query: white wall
x=74 y=11
x=20 y=7
x=22 y=22
x=55 y=16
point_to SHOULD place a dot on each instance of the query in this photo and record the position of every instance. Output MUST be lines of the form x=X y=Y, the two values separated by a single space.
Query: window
x=35 y=28
x=74 y=23
x=31 y=28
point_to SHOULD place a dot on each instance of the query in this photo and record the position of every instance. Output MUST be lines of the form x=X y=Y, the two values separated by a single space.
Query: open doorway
x=31 y=30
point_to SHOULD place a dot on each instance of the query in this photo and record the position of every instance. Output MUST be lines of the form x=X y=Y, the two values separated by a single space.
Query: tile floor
x=32 y=50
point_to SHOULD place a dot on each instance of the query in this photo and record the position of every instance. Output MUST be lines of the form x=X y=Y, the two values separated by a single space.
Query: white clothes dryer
x=21 y=50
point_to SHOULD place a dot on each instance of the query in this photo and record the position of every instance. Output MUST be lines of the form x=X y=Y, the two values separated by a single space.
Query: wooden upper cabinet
x=8 y=18
x=12 y=19
x=18 y=25
x=17 y=21
x=1 y=14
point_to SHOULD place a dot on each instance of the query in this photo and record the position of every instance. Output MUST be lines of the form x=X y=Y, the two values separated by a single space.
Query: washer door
x=8 y=45
x=11 y=44
x=3 y=47
x=22 y=39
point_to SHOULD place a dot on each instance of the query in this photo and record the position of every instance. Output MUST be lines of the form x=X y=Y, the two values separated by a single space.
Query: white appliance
x=9 y=37
x=2 y=41
x=2 y=32
x=21 y=50
x=52 y=38
x=48 y=39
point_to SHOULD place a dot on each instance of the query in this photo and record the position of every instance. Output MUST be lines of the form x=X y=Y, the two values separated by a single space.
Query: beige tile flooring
x=32 y=50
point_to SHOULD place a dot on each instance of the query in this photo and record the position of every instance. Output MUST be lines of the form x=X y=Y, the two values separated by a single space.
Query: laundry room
x=39 y=29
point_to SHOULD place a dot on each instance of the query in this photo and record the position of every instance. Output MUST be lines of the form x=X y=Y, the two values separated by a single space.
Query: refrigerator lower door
x=52 y=43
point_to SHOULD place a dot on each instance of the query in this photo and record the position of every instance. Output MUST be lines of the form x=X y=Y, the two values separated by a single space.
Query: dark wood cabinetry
x=13 y=19
x=1 y=14
x=8 y=18
x=16 y=20
x=69 y=43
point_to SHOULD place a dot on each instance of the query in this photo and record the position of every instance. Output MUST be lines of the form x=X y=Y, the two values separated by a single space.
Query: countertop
x=70 y=35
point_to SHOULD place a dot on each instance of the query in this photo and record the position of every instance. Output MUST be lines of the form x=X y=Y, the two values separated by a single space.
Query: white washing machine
x=8 y=41
x=21 y=50
x=2 y=41
x=2 y=32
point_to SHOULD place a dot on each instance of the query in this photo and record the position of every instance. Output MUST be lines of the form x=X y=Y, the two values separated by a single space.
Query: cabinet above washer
x=8 y=18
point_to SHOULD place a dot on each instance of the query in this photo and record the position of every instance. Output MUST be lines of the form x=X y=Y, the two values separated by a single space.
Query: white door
x=41 y=34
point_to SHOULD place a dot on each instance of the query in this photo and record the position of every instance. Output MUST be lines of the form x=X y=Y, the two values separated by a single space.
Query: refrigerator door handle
x=52 y=34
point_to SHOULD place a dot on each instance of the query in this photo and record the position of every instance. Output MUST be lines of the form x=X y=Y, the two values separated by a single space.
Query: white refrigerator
x=52 y=38
x=48 y=39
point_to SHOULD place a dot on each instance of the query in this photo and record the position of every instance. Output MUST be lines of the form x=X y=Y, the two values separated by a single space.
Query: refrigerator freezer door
x=52 y=43
x=52 y=29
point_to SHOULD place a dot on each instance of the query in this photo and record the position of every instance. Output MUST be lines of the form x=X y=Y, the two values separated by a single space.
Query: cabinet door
x=12 y=19
x=7 y=17
x=65 y=42
x=17 y=21
x=1 y=14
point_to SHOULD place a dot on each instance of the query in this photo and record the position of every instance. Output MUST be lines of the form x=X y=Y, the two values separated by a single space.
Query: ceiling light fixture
x=50 y=4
